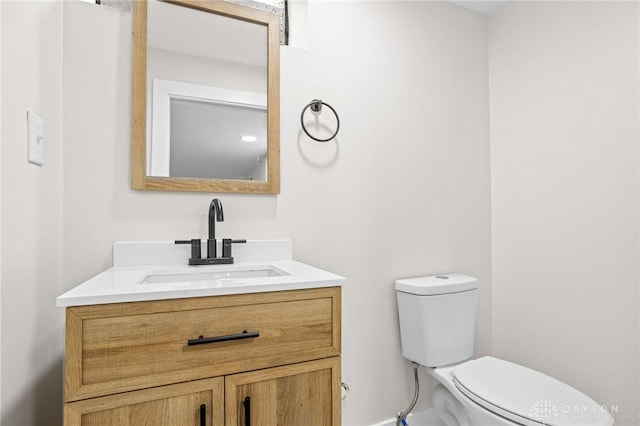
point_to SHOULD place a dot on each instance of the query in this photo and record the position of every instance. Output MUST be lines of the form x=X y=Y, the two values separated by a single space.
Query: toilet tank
x=437 y=318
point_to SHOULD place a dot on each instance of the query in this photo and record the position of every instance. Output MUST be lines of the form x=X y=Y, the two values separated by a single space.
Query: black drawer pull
x=247 y=411
x=204 y=340
x=203 y=415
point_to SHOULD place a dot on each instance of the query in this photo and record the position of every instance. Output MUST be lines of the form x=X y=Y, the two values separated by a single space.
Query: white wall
x=32 y=327
x=564 y=161
x=404 y=191
x=407 y=191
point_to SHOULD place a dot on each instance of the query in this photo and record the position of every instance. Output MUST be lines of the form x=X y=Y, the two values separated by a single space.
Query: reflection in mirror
x=205 y=132
x=232 y=154
x=210 y=91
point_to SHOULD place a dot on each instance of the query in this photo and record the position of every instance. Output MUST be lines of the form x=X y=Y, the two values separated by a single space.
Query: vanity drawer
x=127 y=346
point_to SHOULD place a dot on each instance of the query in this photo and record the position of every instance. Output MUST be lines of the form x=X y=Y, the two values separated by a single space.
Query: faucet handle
x=226 y=246
x=196 y=251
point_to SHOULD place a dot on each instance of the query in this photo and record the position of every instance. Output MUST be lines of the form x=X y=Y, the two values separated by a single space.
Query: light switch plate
x=35 y=139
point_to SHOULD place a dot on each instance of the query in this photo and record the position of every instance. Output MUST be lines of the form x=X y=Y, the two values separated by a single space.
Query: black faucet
x=216 y=214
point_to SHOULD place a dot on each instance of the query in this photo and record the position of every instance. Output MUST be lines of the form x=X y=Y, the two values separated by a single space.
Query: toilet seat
x=526 y=396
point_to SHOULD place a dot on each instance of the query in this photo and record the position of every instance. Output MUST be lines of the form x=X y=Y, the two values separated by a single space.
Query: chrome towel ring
x=316 y=106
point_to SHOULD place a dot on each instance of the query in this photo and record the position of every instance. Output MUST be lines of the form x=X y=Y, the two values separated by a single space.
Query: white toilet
x=437 y=328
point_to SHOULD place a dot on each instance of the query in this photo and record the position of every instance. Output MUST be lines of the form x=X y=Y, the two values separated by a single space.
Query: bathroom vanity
x=257 y=342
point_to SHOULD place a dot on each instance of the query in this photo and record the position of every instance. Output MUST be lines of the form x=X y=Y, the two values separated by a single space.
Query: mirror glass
x=209 y=86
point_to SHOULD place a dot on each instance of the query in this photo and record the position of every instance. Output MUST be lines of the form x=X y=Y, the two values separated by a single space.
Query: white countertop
x=127 y=283
x=124 y=283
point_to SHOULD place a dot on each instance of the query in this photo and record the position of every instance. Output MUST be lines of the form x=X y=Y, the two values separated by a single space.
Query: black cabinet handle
x=203 y=415
x=247 y=411
x=204 y=340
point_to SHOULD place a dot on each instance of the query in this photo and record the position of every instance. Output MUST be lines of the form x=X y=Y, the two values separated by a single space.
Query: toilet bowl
x=437 y=328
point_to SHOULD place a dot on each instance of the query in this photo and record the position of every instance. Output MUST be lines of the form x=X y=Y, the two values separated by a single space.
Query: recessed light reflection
x=248 y=139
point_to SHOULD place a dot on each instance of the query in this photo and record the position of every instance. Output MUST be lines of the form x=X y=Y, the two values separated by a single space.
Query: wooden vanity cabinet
x=305 y=394
x=274 y=357
x=196 y=403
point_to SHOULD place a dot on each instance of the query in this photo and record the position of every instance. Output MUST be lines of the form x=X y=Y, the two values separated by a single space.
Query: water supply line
x=402 y=416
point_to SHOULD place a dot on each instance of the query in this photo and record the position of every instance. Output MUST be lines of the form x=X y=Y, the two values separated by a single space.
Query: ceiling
x=480 y=6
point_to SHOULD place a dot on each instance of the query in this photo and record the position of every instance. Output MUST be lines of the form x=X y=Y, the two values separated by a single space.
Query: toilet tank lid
x=437 y=284
x=526 y=396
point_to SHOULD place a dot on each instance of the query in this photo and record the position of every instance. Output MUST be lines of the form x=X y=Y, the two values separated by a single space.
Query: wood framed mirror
x=206 y=97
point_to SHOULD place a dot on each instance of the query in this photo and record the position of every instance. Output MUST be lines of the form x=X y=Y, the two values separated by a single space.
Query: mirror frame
x=139 y=178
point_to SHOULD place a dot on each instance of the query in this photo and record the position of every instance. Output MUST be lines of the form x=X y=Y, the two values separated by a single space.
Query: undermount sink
x=211 y=274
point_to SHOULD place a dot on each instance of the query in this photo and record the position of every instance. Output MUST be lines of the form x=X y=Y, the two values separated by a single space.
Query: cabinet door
x=198 y=403
x=294 y=395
